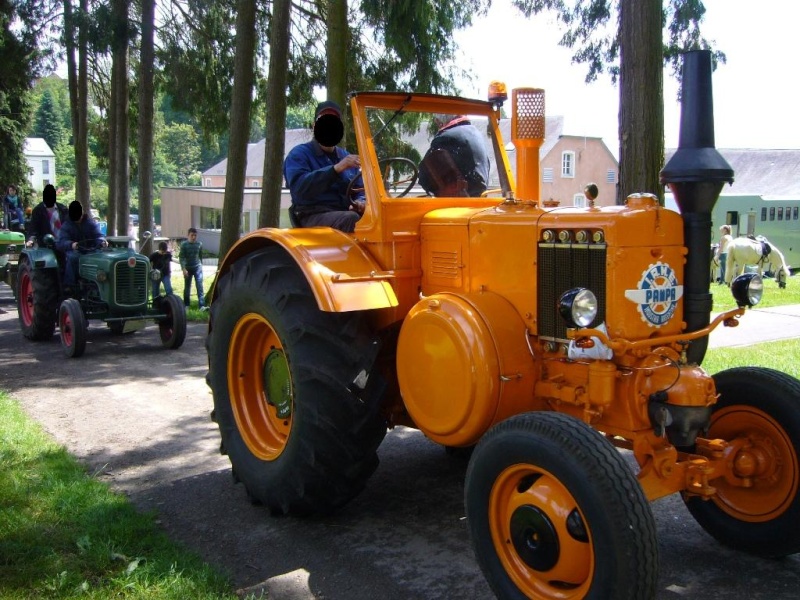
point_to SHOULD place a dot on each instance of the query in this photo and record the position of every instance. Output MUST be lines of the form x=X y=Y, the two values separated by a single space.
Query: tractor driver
x=77 y=232
x=319 y=172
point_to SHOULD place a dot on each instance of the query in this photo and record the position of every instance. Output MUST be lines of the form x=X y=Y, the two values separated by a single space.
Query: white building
x=42 y=162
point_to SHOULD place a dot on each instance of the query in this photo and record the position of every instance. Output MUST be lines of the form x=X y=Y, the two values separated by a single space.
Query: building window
x=568 y=164
x=210 y=218
x=795 y=210
x=611 y=176
x=771 y=213
x=207 y=183
x=547 y=175
x=579 y=201
x=780 y=213
x=763 y=213
x=254 y=183
x=45 y=167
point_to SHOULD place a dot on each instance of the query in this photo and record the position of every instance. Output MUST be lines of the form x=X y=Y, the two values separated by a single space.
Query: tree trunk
x=145 y=139
x=336 y=49
x=120 y=106
x=275 y=134
x=641 y=102
x=241 y=103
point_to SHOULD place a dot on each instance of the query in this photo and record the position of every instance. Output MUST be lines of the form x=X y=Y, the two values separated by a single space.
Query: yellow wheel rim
x=260 y=387
x=540 y=534
x=767 y=459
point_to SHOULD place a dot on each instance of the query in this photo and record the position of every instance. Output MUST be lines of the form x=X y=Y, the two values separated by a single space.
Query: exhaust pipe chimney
x=695 y=175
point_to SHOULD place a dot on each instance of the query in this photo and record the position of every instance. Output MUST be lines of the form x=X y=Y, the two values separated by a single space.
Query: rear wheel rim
x=767 y=457
x=26 y=298
x=67 y=334
x=260 y=387
x=540 y=535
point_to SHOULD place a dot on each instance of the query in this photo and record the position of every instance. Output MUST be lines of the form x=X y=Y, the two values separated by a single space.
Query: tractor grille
x=563 y=267
x=130 y=283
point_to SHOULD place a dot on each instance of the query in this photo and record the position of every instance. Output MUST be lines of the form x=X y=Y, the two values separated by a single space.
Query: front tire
x=37 y=300
x=759 y=410
x=72 y=327
x=297 y=408
x=554 y=512
x=172 y=328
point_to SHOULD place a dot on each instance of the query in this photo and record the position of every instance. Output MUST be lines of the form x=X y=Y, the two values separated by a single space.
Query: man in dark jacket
x=319 y=172
x=76 y=234
x=456 y=164
x=47 y=216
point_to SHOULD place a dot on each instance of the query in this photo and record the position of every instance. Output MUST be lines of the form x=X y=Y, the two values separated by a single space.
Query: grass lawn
x=63 y=534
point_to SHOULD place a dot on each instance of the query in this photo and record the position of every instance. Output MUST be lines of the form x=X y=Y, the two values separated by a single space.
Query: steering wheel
x=89 y=246
x=403 y=169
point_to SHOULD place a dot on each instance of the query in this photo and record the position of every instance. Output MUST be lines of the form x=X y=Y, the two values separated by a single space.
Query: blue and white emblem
x=657 y=295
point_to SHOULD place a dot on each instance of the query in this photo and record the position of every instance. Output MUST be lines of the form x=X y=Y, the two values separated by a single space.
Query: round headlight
x=578 y=307
x=747 y=289
x=101 y=275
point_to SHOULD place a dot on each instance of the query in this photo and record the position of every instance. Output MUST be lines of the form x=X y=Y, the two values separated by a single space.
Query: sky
x=755 y=92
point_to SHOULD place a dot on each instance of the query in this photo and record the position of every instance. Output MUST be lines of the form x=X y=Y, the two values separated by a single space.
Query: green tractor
x=11 y=242
x=113 y=286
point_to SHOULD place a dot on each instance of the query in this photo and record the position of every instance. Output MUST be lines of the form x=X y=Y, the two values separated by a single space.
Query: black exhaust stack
x=695 y=174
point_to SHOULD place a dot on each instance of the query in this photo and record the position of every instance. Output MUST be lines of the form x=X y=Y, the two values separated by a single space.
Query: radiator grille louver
x=562 y=267
x=130 y=283
x=445 y=264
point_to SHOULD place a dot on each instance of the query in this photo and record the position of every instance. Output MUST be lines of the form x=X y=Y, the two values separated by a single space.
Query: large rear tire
x=37 y=300
x=72 y=328
x=555 y=513
x=172 y=328
x=297 y=408
x=759 y=410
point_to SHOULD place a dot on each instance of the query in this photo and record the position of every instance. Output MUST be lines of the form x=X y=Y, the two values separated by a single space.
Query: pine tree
x=48 y=121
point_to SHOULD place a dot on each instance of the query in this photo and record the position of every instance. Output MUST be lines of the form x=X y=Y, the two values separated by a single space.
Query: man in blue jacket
x=76 y=234
x=318 y=174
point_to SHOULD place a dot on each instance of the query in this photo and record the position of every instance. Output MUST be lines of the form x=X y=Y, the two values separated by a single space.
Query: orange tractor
x=547 y=338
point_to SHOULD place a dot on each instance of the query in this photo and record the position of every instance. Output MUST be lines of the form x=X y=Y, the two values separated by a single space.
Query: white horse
x=756 y=251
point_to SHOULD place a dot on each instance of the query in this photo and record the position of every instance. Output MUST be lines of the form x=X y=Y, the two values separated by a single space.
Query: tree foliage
x=18 y=55
x=48 y=121
x=608 y=43
x=180 y=143
x=416 y=48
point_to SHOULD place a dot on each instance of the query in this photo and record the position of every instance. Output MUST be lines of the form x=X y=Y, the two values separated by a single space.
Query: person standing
x=722 y=250
x=46 y=217
x=191 y=259
x=162 y=260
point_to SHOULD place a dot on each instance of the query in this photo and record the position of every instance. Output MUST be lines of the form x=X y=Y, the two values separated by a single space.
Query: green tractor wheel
x=73 y=328
x=37 y=300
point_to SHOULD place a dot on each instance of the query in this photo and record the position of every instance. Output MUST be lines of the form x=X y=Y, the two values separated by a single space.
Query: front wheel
x=172 y=328
x=554 y=512
x=757 y=505
x=73 y=328
x=294 y=396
